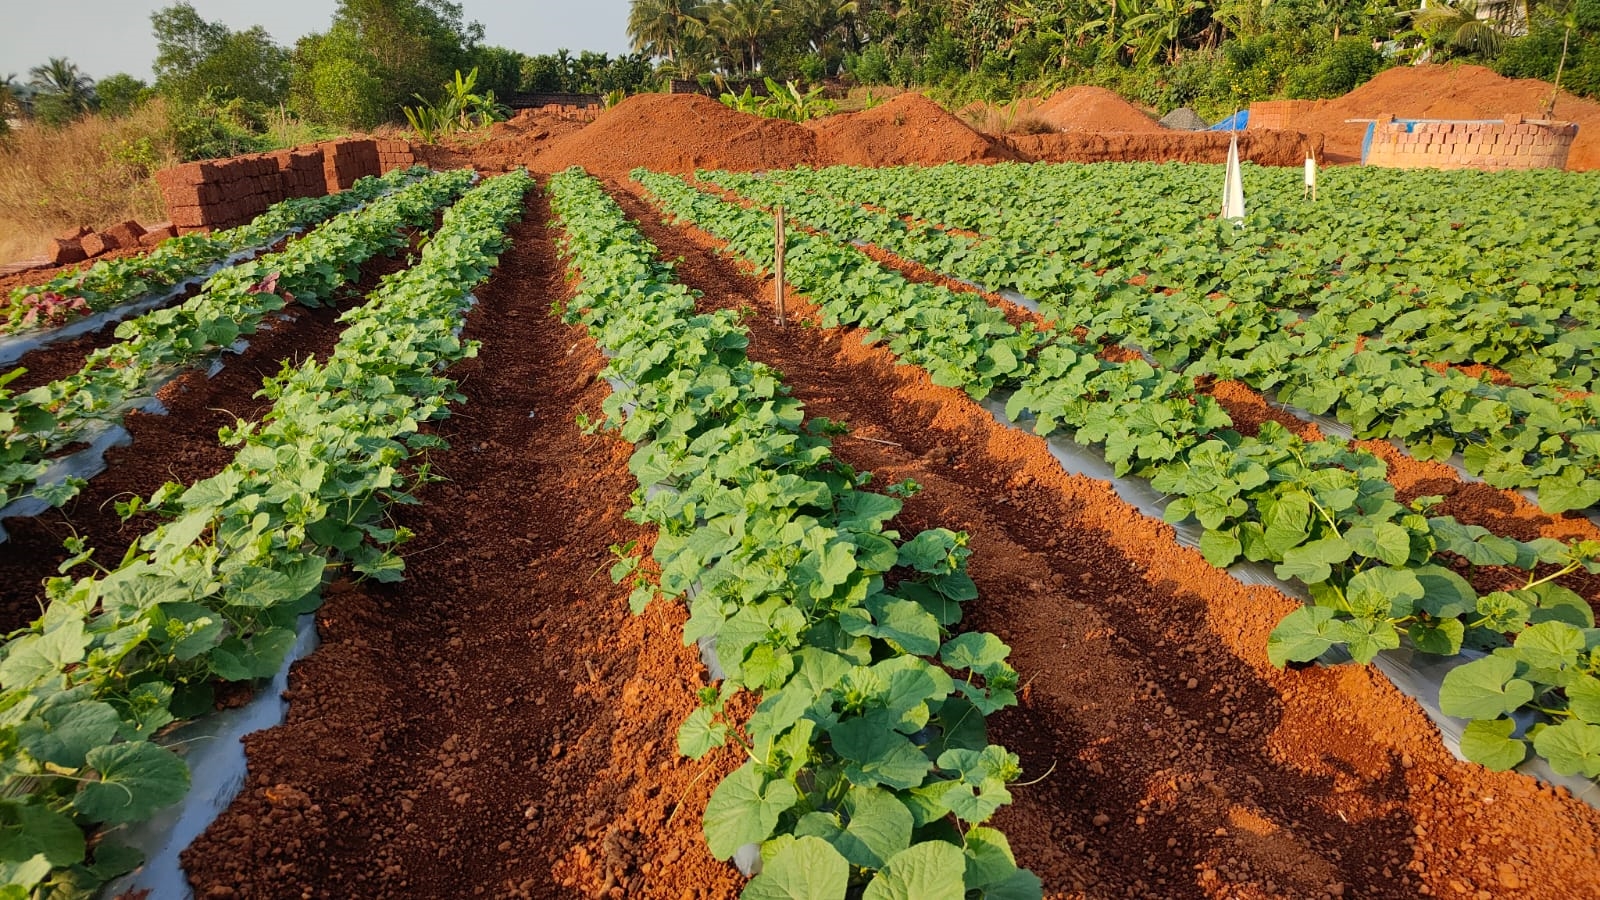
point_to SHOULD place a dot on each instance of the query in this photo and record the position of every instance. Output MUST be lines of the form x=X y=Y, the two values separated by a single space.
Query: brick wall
x=1277 y=115
x=1493 y=146
x=223 y=193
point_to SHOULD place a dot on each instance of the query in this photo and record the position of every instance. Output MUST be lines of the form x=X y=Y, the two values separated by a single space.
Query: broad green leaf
x=1384 y=541
x=1220 y=548
x=1383 y=592
x=136 y=779
x=1550 y=645
x=1583 y=698
x=1489 y=742
x=744 y=809
x=975 y=650
x=65 y=734
x=1483 y=689
x=928 y=871
x=34 y=656
x=1573 y=747
x=1440 y=638
x=879 y=827
x=699 y=734
x=1313 y=561
x=876 y=754
x=807 y=869
x=1304 y=635
x=32 y=830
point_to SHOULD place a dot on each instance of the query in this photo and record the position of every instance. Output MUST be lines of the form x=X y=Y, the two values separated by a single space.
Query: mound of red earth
x=1266 y=148
x=676 y=133
x=1088 y=108
x=907 y=130
x=1449 y=92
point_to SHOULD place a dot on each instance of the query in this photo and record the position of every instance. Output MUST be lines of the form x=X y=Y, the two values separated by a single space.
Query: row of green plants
x=213 y=593
x=1378 y=571
x=867 y=766
x=232 y=304
x=113 y=282
x=1226 y=302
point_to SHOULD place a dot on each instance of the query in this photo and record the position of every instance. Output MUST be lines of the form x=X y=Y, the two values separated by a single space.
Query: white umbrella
x=1233 y=185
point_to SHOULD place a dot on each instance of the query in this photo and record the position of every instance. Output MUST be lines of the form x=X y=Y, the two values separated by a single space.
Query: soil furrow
x=179 y=446
x=498 y=724
x=1174 y=760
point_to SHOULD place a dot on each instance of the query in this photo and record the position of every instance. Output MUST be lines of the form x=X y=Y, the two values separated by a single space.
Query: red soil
x=1449 y=92
x=908 y=130
x=1266 y=148
x=676 y=133
x=1089 y=108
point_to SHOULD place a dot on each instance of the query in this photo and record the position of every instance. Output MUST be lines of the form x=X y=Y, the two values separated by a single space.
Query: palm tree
x=660 y=27
x=742 y=26
x=824 y=23
x=62 y=79
x=1455 y=25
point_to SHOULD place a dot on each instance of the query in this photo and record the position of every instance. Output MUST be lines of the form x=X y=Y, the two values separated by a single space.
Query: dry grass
x=95 y=172
x=1015 y=117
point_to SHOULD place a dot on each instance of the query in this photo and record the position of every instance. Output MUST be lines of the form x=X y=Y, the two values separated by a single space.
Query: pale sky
x=108 y=36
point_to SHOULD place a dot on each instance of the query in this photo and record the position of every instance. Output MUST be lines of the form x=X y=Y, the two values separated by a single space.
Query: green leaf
x=136 y=779
x=1573 y=747
x=744 y=809
x=807 y=869
x=1550 y=645
x=1483 y=689
x=699 y=734
x=876 y=754
x=1220 y=548
x=1304 y=635
x=1383 y=592
x=40 y=831
x=1488 y=742
x=65 y=734
x=1568 y=491
x=1441 y=638
x=34 y=656
x=1384 y=541
x=928 y=871
x=1312 y=562
x=975 y=650
x=1583 y=698
x=879 y=827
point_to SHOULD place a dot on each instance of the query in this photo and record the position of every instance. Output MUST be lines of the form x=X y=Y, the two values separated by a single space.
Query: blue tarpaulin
x=1235 y=122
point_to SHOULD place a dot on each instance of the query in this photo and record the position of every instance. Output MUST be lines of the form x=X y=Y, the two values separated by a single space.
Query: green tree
x=120 y=94
x=376 y=55
x=196 y=58
x=1454 y=25
x=499 y=69
x=64 y=92
x=660 y=28
x=742 y=27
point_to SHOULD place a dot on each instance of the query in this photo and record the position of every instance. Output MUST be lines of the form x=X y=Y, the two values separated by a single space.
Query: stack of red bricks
x=223 y=193
x=1509 y=144
x=83 y=242
x=343 y=162
x=394 y=155
x=1277 y=115
x=300 y=172
x=220 y=194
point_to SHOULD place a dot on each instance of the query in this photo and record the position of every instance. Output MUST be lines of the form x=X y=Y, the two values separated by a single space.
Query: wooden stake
x=780 y=242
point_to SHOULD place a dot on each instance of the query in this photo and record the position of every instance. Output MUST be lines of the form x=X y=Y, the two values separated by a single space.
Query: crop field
x=1061 y=539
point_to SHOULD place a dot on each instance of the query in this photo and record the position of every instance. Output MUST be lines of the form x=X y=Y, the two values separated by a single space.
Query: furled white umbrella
x=1233 y=185
x=1311 y=177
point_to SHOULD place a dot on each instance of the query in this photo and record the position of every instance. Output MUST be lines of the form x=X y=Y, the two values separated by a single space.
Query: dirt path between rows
x=1175 y=761
x=179 y=446
x=497 y=725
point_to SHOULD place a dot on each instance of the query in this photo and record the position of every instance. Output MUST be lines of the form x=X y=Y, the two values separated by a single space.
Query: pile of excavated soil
x=1449 y=92
x=907 y=130
x=676 y=133
x=1088 y=108
x=1266 y=148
